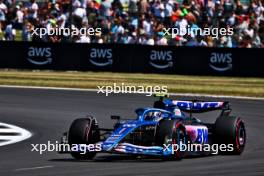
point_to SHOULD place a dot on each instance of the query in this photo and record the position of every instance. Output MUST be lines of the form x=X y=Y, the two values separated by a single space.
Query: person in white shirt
x=10 y=32
x=33 y=10
x=84 y=39
x=161 y=40
x=147 y=26
x=3 y=12
x=80 y=12
x=168 y=12
x=80 y=16
x=62 y=20
x=132 y=39
x=76 y=3
x=150 y=41
x=182 y=24
x=250 y=30
x=19 y=17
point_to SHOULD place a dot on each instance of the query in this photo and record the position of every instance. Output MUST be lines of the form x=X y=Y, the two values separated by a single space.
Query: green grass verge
x=176 y=83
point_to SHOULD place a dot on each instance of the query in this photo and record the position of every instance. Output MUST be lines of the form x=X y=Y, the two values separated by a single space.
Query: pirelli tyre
x=171 y=132
x=83 y=131
x=230 y=130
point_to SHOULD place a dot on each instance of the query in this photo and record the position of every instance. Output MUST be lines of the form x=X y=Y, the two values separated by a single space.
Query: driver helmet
x=177 y=112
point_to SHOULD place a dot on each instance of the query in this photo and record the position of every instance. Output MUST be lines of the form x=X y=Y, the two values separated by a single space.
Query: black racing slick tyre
x=83 y=131
x=230 y=130
x=171 y=132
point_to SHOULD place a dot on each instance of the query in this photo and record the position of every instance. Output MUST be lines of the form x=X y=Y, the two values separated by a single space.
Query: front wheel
x=172 y=132
x=83 y=131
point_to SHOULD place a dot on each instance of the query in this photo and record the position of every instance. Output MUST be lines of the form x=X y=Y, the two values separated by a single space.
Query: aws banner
x=132 y=58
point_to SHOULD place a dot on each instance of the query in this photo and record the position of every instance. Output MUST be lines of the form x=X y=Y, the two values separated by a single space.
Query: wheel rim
x=178 y=139
x=240 y=136
x=181 y=136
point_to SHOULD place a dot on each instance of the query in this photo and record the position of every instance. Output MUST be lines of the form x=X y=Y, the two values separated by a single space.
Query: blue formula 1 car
x=159 y=131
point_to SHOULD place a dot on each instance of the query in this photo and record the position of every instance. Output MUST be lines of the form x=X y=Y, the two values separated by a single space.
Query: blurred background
x=136 y=21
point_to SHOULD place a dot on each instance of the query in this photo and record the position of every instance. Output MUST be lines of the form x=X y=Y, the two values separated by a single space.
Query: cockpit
x=152 y=114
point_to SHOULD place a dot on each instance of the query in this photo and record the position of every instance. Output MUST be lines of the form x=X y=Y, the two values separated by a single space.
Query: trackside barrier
x=133 y=58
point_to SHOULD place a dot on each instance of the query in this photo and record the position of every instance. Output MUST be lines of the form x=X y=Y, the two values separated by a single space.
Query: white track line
x=11 y=139
x=33 y=168
x=172 y=94
x=7 y=130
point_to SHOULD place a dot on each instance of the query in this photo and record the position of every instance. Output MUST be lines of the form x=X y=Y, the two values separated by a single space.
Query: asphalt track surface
x=48 y=113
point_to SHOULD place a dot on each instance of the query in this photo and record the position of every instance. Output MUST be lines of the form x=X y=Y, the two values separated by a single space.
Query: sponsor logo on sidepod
x=221 y=61
x=161 y=59
x=39 y=55
x=198 y=134
x=101 y=57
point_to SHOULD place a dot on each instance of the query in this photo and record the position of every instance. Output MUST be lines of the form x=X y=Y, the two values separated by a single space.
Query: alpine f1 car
x=156 y=130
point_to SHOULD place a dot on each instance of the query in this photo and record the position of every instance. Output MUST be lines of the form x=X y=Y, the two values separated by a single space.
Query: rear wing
x=197 y=106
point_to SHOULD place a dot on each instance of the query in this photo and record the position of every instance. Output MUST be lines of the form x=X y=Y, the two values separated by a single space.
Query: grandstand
x=137 y=21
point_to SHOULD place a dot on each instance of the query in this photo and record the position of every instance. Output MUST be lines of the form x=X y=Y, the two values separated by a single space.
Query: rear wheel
x=172 y=132
x=83 y=131
x=230 y=130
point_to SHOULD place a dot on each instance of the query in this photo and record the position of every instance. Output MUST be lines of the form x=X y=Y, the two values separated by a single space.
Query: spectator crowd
x=136 y=21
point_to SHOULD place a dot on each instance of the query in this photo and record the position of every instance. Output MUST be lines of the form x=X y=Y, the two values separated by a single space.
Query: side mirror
x=115 y=117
